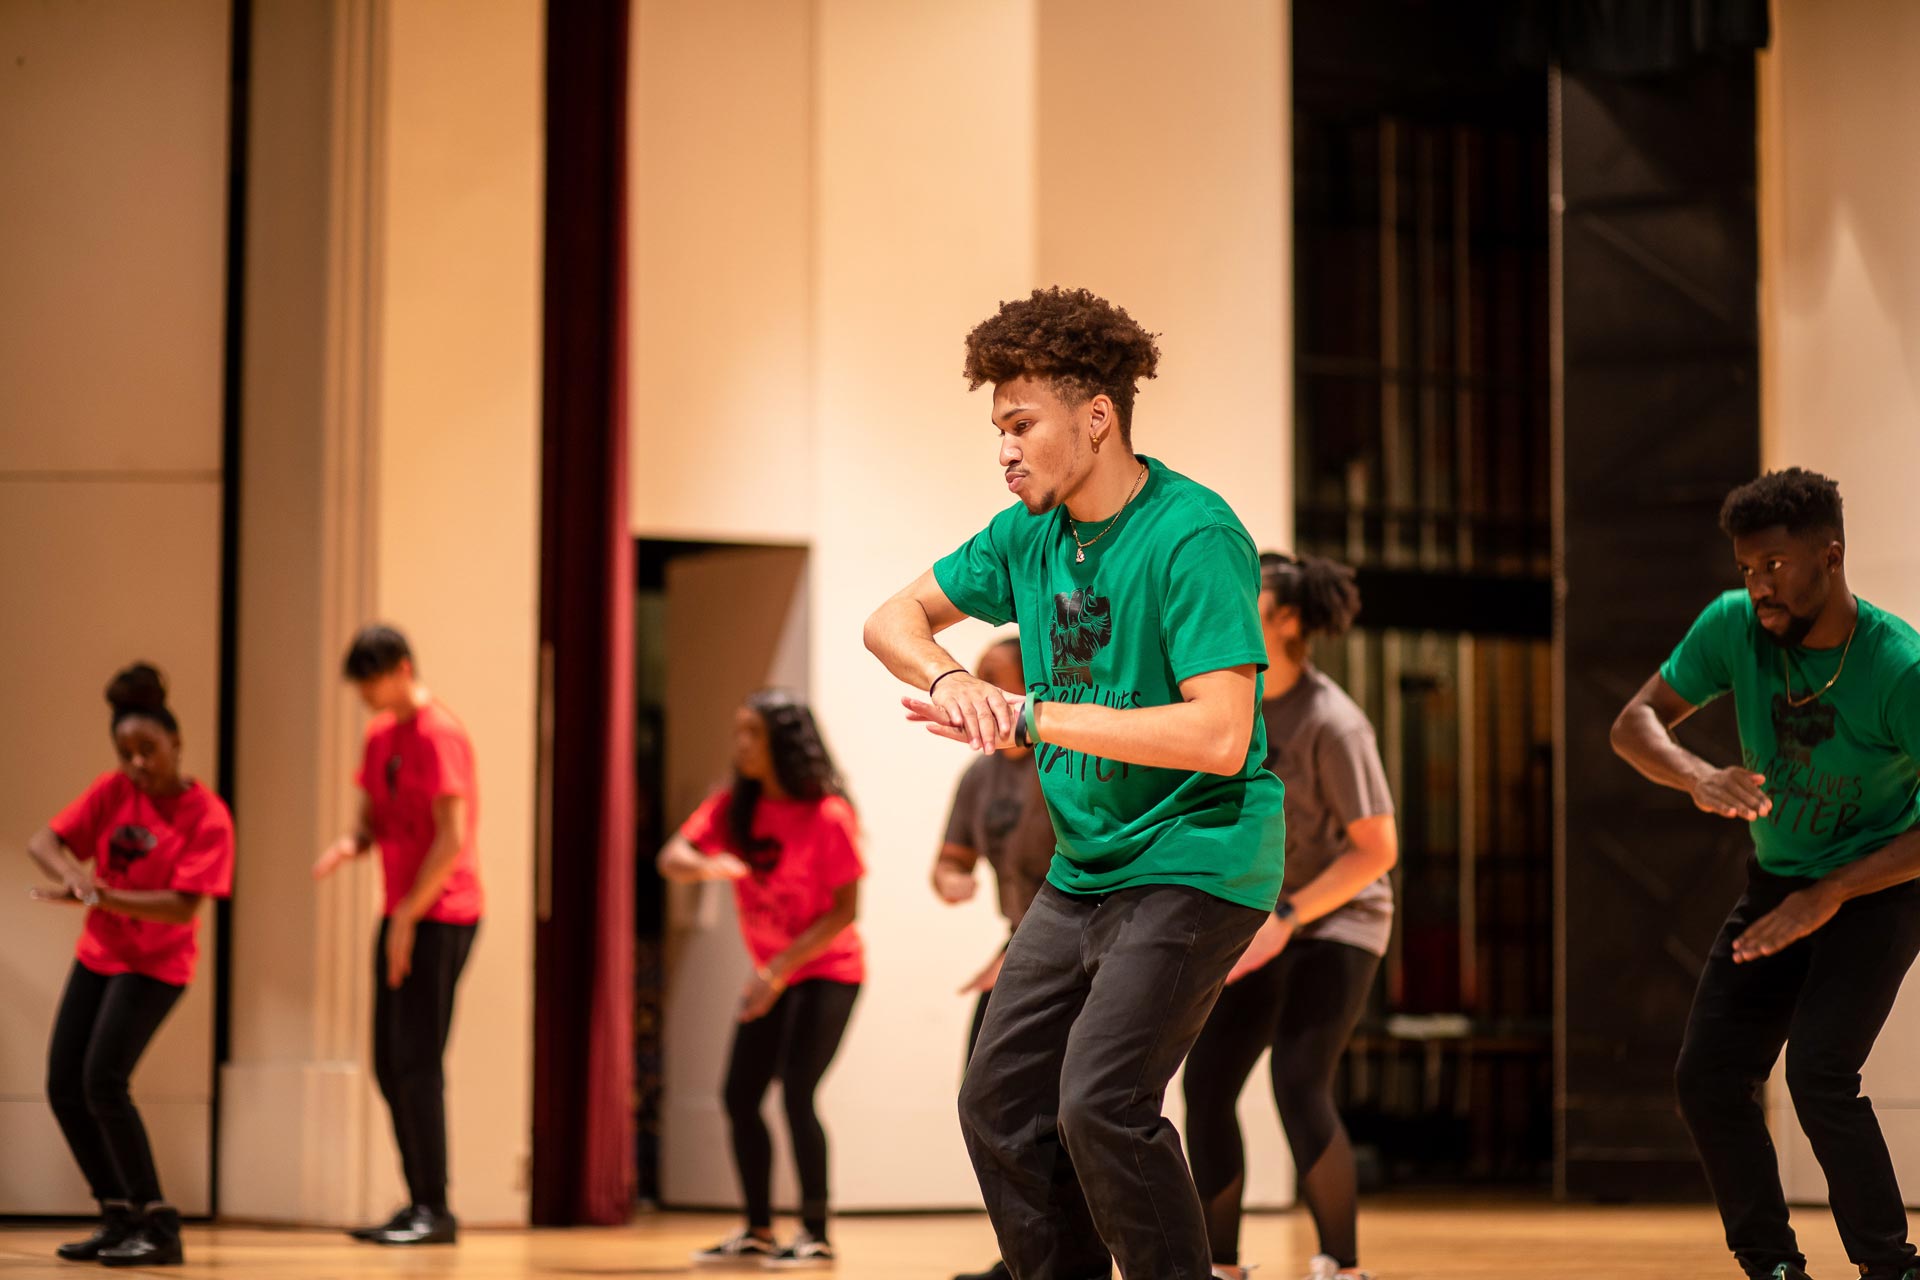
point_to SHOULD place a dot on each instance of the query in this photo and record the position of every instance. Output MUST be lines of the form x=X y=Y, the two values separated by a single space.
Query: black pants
x=1304 y=1004
x=103 y=1026
x=410 y=1028
x=794 y=1041
x=1825 y=998
x=1099 y=1000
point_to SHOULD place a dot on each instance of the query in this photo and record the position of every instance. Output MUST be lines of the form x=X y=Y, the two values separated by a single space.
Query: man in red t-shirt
x=418 y=804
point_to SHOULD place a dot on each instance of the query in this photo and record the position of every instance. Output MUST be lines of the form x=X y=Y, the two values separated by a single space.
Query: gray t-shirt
x=998 y=812
x=1319 y=742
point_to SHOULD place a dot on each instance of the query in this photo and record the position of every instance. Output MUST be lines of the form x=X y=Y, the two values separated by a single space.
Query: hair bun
x=139 y=687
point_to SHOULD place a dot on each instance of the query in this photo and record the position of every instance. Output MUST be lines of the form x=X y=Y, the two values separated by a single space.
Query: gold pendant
x=1080 y=556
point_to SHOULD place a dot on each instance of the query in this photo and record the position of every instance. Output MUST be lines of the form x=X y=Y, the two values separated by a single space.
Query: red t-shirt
x=408 y=764
x=138 y=841
x=819 y=852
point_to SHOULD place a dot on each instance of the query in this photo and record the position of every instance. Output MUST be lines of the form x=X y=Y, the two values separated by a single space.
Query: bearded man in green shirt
x=1136 y=591
x=1827 y=691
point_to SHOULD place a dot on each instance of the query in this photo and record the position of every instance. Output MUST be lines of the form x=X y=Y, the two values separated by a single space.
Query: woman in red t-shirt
x=138 y=849
x=786 y=837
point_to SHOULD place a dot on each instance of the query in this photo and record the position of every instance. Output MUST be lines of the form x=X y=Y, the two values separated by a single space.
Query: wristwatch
x=1283 y=912
x=91 y=898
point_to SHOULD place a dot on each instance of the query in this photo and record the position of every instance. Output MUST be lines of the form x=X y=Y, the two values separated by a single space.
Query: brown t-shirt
x=998 y=812
x=1321 y=745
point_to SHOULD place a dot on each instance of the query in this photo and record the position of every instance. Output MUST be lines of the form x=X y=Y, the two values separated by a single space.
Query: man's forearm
x=1643 y=742
x=1180 y=735
x=1895 y=862
x=900 y=635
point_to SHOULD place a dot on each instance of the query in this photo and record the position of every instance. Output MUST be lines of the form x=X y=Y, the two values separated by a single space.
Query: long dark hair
x=801 y=762
x=1322 y=590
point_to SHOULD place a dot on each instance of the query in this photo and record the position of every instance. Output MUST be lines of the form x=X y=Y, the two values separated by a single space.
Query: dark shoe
x=1787 y=1271
x=116 y=1224
x=741 y=1249
x=153 y=1242
x=807 y=1250
x=422 y=1226
x=998 y=1271
x=401 y=1217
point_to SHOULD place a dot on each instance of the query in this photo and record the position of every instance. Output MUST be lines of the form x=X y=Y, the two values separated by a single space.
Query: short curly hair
x=1799 y=500
x=1081 y=343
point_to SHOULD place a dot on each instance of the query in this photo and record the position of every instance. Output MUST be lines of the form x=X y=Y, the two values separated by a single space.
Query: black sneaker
x=153 y=1242
x=420 y=1226
x=400 y=1218
x=742 y=1248
x=807 y=1250
x=1787 y=1271
x=998 y=1271
x=117 y=1221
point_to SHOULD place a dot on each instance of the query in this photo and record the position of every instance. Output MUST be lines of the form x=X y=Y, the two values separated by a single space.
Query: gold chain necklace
x=1787 y=667
x=1080 y=556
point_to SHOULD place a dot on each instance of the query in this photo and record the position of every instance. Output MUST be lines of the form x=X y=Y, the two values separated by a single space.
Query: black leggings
x=1305 y=1005
x=795 y=1041
x=103 y=1026
x=410 y=1028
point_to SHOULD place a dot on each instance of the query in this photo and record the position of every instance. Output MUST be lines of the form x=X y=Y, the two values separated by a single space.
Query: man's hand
x=725 y=866
x=343 y=850
x=1798 y=915
x=954 y=884
x=762 y=990
x=981 y=713
x=1733 y=792
x=1269 y=942
x=984 y=980
x=399 y=948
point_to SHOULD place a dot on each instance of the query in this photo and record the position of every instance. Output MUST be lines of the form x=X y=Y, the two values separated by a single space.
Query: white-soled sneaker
x=807 y=1250
x=1222 y=1271
x=1323 y=1267
x=742 y=1248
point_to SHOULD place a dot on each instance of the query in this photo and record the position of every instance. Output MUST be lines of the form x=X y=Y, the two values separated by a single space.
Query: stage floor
x=1403 y=1239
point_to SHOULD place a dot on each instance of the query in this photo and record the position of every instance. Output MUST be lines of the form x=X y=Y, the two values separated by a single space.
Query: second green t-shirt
x=1841 y=768
x=1170 y=593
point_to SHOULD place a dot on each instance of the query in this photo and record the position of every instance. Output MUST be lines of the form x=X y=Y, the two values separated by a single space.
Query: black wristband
x=1021 y=738
x=1284 y=912
x=957 y=671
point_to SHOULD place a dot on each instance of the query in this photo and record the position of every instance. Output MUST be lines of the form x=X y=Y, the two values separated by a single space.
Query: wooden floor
x=1403 y=1239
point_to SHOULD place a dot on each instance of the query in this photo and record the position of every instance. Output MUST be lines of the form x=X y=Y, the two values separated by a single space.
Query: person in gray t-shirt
x=1303 y=981
x=998 y=814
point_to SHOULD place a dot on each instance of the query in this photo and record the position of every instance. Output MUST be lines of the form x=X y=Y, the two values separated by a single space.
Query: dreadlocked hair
x=1322 y=590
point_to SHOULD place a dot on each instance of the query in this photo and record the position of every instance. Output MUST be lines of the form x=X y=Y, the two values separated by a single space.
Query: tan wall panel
x=925 y=222
x=1168 y=190
x=1841 y=320
x=458 y=524
x=102 y=574
x=718 y=195
x=113 y=140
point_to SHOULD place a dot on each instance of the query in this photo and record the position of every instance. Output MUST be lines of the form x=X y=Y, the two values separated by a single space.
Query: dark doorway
x=1422 y=457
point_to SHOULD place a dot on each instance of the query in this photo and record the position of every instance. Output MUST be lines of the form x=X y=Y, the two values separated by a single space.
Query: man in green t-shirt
x=1136 y=591
x=1827 y=691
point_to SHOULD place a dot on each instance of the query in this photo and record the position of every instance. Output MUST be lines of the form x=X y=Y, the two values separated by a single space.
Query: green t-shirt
x=1172 y=592
x=1844 y=769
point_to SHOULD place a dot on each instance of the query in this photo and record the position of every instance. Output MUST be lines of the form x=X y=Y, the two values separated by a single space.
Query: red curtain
x=583 y=1140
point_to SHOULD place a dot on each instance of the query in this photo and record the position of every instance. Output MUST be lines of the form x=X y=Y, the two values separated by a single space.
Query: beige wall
x=939 y=158
x=392 y=470
x=113 y=132
x=1840 y=269
x=720 y=219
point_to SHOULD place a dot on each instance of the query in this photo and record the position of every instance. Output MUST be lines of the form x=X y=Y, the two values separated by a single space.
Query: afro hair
x=1079 y=342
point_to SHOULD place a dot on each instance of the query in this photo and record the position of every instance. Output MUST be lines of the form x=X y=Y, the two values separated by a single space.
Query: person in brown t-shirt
x=998 y=814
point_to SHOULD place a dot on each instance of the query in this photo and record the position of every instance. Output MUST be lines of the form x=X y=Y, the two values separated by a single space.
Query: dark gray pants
x=1098 y=1002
